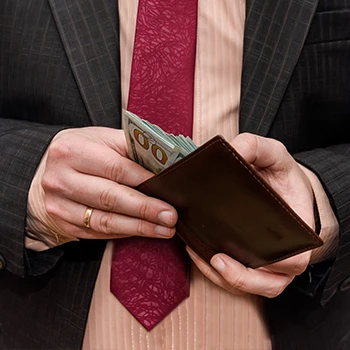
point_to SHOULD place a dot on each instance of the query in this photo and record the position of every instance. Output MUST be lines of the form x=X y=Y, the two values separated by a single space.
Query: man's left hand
x=273 y=162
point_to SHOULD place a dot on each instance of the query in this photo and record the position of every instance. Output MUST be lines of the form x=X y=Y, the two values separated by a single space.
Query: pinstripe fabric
x=34 y=68
x=316 y=104
x=269 y=58
x=20 y=168
x=49 y=311
x=329 y=224
x=41 y=70
x=210 y=319
x=26 y=96
x=324 y=119
x=37 y=85
x=218 y=70
x=94 y=61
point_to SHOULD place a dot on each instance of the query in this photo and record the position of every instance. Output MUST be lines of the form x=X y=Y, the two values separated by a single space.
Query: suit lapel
x=90 y=35
x=275 y=32
x=274 y=35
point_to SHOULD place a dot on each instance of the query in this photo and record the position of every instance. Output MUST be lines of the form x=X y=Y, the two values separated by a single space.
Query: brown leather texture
x=225 y=206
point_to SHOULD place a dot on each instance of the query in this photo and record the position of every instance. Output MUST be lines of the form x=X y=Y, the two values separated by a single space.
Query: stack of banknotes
x=152 y=147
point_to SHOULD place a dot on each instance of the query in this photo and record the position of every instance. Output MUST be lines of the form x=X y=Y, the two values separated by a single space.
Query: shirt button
x=345 y=285
x=2 y=262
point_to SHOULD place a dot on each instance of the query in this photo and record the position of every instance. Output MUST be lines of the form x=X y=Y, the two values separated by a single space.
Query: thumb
x=262 y=152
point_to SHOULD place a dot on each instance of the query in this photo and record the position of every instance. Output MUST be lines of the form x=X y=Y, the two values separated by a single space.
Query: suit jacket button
x=345 y=285
x=2 y=262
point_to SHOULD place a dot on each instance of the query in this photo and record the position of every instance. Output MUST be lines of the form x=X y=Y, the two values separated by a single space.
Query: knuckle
x=275 y=291
x=52 y=209
x=107 y=200
x=236 y=283
x=276 y=143
x=300 y=266
x=280 y=145
x=105 y=224
x=248 y=139
x=280 y=150
x=47 y=182
x=143 y=210
x=51 y=183
x=141 y=229
x=206 y=270
x=296 y=265
x=114 y=170
x=60 y=150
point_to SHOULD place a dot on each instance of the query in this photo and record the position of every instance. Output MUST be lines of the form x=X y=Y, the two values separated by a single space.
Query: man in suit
x=60 y=74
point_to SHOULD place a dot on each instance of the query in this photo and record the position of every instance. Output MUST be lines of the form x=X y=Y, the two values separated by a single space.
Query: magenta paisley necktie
x=150 y=276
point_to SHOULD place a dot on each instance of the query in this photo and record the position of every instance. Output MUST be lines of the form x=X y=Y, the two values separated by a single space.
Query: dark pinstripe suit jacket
x=59 y=67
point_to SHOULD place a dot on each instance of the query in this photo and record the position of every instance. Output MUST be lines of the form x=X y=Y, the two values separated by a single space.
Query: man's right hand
x=88 y=167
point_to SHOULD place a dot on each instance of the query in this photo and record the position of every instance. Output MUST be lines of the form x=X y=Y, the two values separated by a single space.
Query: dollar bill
x=152 y=147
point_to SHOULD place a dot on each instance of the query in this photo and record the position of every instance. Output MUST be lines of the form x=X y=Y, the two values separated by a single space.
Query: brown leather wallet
x=225 y=206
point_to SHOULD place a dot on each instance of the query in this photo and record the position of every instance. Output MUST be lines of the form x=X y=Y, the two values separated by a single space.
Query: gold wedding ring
x=87 y=217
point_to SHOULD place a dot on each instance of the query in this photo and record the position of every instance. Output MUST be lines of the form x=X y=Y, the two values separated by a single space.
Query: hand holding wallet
x=224 y=206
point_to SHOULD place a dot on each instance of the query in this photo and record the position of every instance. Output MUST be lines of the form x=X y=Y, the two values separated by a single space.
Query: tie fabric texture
x=150 y=276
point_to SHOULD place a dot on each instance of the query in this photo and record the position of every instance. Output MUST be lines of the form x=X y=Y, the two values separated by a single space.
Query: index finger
x=97 y=159
x=259 y=281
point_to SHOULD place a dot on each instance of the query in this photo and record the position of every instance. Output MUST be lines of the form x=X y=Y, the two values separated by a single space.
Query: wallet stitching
x=291 y=213
x=294 y=217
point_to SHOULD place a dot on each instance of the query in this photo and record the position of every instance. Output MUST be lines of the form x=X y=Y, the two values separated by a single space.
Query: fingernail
x=162 y=231
x=218 y=265
x=166 y=217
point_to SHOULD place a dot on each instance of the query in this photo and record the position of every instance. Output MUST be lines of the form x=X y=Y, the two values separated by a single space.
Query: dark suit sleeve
x=22 y=145
x=332 y=166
